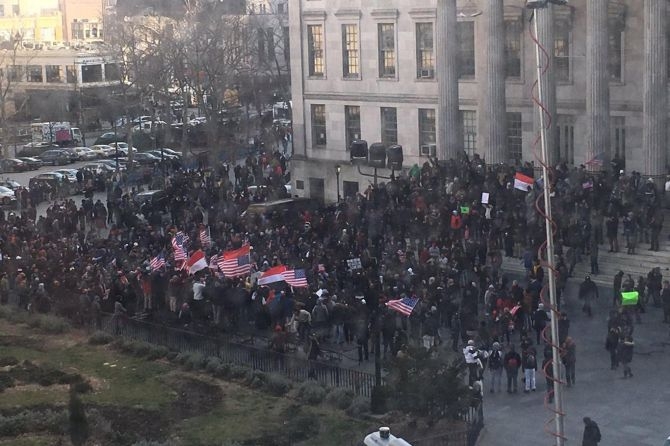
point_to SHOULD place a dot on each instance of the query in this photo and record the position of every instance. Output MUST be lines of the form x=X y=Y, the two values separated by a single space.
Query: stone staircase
x=638 y=264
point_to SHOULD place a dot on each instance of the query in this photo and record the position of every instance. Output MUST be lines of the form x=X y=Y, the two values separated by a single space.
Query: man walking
x=591 y=433
x=587 y=292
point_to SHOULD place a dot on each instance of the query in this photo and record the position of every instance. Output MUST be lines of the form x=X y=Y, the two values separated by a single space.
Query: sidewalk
x=629 y=412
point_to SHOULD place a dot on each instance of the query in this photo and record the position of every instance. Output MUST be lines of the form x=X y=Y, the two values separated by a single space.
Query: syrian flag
x=272 y=275
x=196 y=262
x=522 y=182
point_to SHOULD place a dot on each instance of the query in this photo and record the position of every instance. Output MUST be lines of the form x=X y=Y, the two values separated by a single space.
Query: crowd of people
x=426 y=235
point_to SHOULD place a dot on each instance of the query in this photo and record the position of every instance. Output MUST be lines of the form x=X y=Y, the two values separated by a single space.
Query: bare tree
x=11 y=72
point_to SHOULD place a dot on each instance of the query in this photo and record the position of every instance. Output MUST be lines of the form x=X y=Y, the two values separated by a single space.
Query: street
x=599 y=393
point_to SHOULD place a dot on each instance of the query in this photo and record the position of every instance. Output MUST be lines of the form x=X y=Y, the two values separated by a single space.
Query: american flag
x=213 y=262
x=205 y=239
x=403 y=306
x=235 y=263
x=157 y=262
x=597 y=160
x=178 y=241
x=296 y=278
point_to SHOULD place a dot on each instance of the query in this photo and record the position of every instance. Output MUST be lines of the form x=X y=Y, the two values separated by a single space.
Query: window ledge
x=351 y=78
x=425 y=79
x=468 y=80
x=316 y=78
x=387 y=79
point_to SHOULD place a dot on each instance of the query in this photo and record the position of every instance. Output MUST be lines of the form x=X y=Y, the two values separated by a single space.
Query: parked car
x=172 y=152
x=31 y=163
x=54 y=179
x=10 y=184
x=152 y=199
x=98 y=168
x=102 y=150
x=85 y=154
x=166 y=155
x=36 y=148
x=146 y=158
x=123 y=148
x=8 y=165
x=74 y=156
x=109 y=137
x=7 y=196
x=55 y=157
x=69 y=174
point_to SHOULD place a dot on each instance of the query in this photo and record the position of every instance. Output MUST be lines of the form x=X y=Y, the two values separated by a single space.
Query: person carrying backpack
x=591 y=433
x=495 y=364
x=529 y=368
x=512 y=363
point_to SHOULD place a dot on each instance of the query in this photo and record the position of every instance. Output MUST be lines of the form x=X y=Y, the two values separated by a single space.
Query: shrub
x=32 y=421
x=6 y=381
x=213 y=364
x=237 y=372
x=311 y=393
x=157 y=352
x=301 y=425
x=8 y=360
x=100 y=338
x=223 y=371
x=171 y=356
x=340 y=398
x=359 y=406
x=255 y=379
x=141 y=349
x=277 y=385
x=49 y=324
x=181 y=358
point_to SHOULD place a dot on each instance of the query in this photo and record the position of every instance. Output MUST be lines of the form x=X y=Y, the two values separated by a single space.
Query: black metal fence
x=466 y=436
x=254 y=357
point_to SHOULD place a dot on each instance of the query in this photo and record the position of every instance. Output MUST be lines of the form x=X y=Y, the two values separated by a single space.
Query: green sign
x=465 y=210
x=629 y=297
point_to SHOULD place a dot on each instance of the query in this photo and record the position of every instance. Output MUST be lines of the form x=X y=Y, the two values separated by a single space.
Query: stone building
x=442 y=76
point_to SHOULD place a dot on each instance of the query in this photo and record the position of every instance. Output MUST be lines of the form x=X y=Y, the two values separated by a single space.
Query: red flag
x=196 y=262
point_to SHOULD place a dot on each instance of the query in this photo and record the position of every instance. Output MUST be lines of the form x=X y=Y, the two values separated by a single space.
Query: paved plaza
x=630 y=412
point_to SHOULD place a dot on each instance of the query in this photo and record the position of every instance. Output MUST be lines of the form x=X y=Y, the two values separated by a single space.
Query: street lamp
x=338 y=169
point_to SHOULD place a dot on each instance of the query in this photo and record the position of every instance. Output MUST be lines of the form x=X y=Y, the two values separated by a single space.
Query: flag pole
x=558 y=396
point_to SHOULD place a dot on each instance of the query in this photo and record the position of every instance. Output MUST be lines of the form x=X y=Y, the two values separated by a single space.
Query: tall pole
x=558 y=397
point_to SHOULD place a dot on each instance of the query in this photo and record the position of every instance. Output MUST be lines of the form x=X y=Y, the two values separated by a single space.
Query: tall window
x=350 y=55
x=469 y=119
x=565 y=138
x=315 y=50
x=619 y=136
x=53 y=73
x=270 y=39
x=426 y=126
x=425 y=57
x=615 y=54
x=71 y=74
x=261 y=45
x=352 y=123
x=287 y=46
x=561 y=60
x=318 y=125
x=386 y=33
x=34 y=73
x=15 y=73
x=389 y=125
x=466 y=49
x=514 y=135
x=513 y=30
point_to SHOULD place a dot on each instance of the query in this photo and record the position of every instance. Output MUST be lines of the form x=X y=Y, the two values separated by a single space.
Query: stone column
x=449 y=130
x=545 y=35
x=496 y=108
x=655 y=114
x=597 y=80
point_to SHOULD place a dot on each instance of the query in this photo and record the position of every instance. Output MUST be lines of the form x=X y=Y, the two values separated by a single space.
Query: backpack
x=495 y=360
x=530 y=361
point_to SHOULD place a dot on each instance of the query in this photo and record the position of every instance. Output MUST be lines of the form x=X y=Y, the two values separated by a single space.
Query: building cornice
x=385 y=14
x=348 y=14
x=423 y=13
x=315 y=15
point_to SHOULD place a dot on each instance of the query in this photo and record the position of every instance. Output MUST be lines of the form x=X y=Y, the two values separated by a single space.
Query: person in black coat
x=591 y=433
x=540 y=319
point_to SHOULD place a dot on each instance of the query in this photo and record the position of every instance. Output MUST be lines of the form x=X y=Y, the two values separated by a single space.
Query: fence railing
x=466 y=436
x=253 y=357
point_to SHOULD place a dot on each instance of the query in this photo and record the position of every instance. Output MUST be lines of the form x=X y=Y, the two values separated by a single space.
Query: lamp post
x=338 y=169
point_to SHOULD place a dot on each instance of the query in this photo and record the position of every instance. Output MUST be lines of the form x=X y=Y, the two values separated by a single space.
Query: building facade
x=32 y=21
x=448 y=76
x=82 y=19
